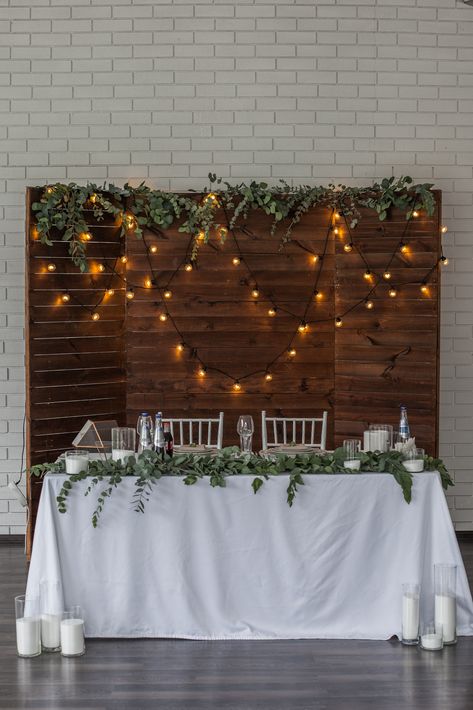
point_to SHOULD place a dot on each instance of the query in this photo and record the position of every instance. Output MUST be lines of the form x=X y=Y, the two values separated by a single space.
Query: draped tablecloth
x=224 y=563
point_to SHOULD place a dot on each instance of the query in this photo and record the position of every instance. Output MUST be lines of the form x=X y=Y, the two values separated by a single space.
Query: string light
x=180 y=347
x=167 y=294
x=292 y=352
x=153 y=249
x=51 y=268
x=86 y=236
x=337 y=215
x=336 y=230
x=315 y=258
x=101 y=268
x=416 y=213
x=255 y=292
x=211 y=199
x=392 y=292
x=201 y=236
x=348 y=247
x=268 y=377
x=444 y=260
x=130 y=294
x=368 y=275
x=236 y=386
x=303 y=327
x=93 y=198
x=272 y=312
x=109 y=291
x=424 y=288
x=404 y=248
x=338 y=322
x=318 y=295
x=444 y=229
x=236 y=260
x=387 y=275
x=148 y=282
x=124 y=259
x=202 y=371
x=222 y=232
x=188 y=266
x=369 y=304
x=95 y=316
x=49 y=190
x=163 y=317
x=130 y=221
x=65 y=298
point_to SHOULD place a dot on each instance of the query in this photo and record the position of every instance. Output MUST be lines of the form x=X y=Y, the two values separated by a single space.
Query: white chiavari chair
x=207 y=432
x=311 y=431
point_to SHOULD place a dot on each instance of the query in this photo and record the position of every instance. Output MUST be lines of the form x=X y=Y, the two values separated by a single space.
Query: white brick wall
x=310 y=91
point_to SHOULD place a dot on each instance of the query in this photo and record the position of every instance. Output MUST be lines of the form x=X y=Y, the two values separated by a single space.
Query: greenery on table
x=63 y=208
x=148 y=468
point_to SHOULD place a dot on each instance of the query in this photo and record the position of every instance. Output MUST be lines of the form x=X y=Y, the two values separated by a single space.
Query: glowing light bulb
x=148 y=282
x=188 y=266
x=101 y=268
x=93 y=198
x=387 y=275
x=348 y=247
x=202 y=371
x=124 y=259
x=336 y=230
x=271 y=312
x=337 y=215
x=236 y=260
x=369 y=304
x=392 y=292
x=163 y=317
x=167 y=294
x=95 y=316
x=49 y=190
x=268 y=377
x=109 y=291
x=222 y=232
x=303 y=327
x=86 y=236
x=315 y=258
x=367 y=275
x=404 y=248
x=444 y=229
x=65 y=298
x=255 y=292
x=416 y=213
x=237 y=386
x=338 y=322
x=318 y=295
x=130 y=294
x=201 y=236
x=211 y=199
x=51 y=268
x=129 y=220
x=444 y=260
x=292 y=352
x=180 y=347
x=424 y=288
x=153 y=249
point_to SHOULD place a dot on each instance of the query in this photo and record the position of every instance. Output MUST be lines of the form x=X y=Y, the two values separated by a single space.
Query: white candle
x=366 y=441
x=410 y=616
x=121 y=454
x=379 y=440
x=414 y=465
x=446 y=615
x=72 y=637
x=50 y=631
x=354 y=464
x=431 y=642
x=28 y=636
x=76 y=464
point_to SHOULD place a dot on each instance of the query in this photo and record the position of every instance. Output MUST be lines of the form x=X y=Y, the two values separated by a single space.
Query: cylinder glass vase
x=50 y=599
x=28 y=626
x=410 y=614
x=72 y=632
x=445 y=589
x=123 y=443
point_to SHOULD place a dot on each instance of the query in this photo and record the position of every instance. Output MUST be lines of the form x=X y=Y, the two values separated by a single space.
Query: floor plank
x=231 y=675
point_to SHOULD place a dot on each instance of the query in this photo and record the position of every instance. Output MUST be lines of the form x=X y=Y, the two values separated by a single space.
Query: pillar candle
x=353 y=464
x=414 y=465
x=50 y=631
x=121 y=454
x=76 y=464
x=28 y=636
x=446 y=615
x=410 y=617
x=72 y=637
x=431 y=642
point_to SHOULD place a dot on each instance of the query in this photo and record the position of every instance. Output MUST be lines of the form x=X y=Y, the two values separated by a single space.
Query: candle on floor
x=28 y=636
x=446 y=616
x=72 y=633
x=50 y=631
x=431 y=642
x=410 y=614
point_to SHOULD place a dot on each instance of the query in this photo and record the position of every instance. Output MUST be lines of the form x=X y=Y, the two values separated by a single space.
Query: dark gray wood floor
x=232 y=675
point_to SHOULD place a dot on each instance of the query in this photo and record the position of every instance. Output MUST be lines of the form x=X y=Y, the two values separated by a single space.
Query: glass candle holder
x=380 y=437
x=351 y=454
x=410 y=613
x=28 y=626
x=77 y=460
x=72 y=632
x=123 y=443
x=431 y=638
x=413 y=460
x=50 y=600
x=445 y=581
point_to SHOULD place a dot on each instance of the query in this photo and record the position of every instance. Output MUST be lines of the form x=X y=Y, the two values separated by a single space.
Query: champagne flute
x=245 y=429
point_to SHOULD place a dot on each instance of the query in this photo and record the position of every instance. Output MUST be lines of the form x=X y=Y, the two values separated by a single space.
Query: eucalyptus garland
x=65 y=208
x=148 y=468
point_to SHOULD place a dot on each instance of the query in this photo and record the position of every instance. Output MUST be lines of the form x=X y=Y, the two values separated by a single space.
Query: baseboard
x=12 y=540
x=464 y=535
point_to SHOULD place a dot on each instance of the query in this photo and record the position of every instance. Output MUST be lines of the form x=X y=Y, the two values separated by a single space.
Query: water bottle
x=404 y=431
x=144 y=430
x=159 y=440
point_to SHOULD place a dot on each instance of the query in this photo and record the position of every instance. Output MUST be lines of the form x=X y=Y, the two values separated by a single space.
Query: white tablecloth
x=204 y=563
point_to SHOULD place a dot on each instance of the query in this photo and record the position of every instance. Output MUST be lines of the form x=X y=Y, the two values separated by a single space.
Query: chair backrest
x=197 y=431
x=286 y=430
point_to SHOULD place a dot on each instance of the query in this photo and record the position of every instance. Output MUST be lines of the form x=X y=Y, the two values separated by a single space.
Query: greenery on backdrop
x=64 y=207
x=148 y=468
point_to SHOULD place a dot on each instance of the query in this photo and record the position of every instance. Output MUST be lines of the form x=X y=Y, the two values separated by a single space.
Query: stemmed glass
x=245 y=429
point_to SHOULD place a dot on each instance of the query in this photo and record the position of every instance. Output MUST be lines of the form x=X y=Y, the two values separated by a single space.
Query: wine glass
x=245 y=429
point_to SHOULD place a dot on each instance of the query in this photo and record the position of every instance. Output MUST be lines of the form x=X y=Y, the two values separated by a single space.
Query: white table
x=205 y=563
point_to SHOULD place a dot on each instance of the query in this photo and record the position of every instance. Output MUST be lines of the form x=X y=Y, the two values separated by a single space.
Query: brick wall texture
x=313 y=92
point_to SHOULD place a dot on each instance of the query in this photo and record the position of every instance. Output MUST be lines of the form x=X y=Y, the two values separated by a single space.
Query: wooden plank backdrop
x=128 y=362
